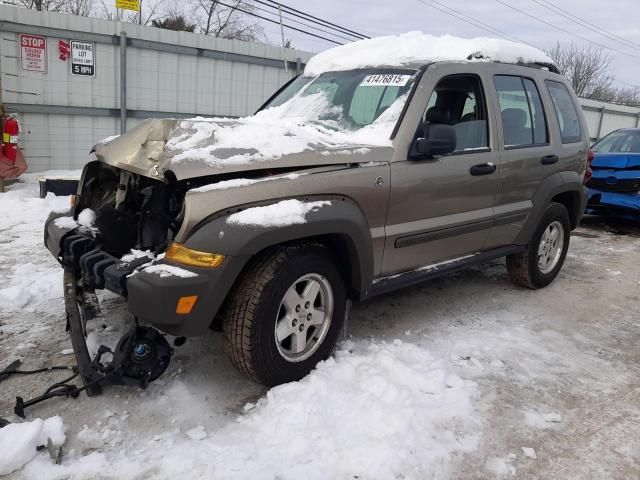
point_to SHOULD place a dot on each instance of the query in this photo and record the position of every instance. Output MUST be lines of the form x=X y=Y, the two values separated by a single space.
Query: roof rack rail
x=548 y=66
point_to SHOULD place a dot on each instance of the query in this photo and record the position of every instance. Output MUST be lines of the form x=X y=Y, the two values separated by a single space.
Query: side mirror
x=439 y=140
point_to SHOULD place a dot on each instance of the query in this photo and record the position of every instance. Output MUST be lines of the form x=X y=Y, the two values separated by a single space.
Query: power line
x=566 y=31
x=587 y=24
x=296 y=21
x=472 y=21
x=246 y=12
x=345 y=30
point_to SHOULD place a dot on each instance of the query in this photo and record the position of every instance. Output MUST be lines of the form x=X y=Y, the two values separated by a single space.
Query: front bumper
x=626 y=205
x=151 y=298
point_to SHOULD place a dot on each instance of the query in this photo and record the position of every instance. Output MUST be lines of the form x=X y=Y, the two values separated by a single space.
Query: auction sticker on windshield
x=383 y=80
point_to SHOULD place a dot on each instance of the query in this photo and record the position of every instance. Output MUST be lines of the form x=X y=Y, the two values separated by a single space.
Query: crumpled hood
x=200 y=147
x=616 y=160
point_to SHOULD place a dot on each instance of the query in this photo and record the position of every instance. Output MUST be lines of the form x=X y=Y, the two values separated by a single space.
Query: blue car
x=614 y=188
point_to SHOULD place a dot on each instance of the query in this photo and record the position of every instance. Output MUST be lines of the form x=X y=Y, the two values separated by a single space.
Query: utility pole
x=284 y=58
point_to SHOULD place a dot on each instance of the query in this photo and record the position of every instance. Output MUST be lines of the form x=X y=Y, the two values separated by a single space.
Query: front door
x=441 y=208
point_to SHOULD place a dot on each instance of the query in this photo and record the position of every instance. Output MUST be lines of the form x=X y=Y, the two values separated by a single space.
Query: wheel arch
x=341 y=226
x=565 y=188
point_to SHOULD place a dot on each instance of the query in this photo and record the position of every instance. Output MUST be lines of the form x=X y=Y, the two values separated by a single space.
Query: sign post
x=33 y=53
x=83 y=58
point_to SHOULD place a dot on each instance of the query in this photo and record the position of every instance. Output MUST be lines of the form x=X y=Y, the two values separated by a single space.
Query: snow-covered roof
x=417 y=47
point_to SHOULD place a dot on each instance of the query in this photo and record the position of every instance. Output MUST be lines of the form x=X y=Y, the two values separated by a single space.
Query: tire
x=529 y=268
x=265 y=332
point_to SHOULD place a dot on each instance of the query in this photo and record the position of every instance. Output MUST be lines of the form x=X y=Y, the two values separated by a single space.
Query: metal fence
x=138 y=72
x=603 y=118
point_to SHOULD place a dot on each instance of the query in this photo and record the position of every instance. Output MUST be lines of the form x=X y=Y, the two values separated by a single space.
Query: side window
x=458 y=101
x=537 y=112
x=570 y=129
x=523 y=119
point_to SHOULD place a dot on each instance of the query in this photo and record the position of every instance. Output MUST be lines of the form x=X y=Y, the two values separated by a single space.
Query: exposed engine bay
x=132 y=211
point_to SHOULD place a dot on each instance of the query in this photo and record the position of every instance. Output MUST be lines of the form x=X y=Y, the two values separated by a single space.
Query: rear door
x=531 y=145
x=442 y=208
x=526 y=152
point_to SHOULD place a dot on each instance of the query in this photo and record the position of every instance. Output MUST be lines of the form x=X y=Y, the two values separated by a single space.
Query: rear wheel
x=286 y=313
x=541 y=262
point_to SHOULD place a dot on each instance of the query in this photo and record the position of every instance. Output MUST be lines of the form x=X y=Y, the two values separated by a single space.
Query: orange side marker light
x=186 y=304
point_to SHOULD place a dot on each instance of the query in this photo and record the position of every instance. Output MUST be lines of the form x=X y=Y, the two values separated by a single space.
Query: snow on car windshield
x=332 y=110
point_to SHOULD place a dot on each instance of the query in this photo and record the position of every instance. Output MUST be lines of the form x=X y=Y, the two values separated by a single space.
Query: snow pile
x=18 y=441
x=418 y=47
x=87 y=218
x=65 y=222
x=242 y=182
x=298 y=125
x=169 y=271
x=286 y=212
x=31 y=283
x=135 y=254
x=378 y=411
x=28 y=279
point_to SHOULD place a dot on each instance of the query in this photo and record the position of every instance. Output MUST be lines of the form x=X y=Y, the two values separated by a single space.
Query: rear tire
x=285 y=314
x=540 y=263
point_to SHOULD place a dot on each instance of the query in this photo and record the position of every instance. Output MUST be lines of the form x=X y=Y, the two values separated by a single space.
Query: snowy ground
x=465 y=377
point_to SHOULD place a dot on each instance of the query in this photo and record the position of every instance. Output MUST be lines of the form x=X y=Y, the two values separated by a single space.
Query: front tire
x=285 y=314
x=540 y=263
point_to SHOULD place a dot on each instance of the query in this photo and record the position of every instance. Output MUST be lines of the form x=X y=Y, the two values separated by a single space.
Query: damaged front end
x=117 y=212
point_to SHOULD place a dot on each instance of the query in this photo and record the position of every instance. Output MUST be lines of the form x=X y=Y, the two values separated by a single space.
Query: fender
x=553 y=185
x=341 y=224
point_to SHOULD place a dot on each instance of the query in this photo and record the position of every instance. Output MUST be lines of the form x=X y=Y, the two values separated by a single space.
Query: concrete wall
x=168 y=74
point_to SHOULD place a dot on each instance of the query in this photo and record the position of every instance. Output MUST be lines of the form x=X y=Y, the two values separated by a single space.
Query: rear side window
x=523 y=119
x=570 y=129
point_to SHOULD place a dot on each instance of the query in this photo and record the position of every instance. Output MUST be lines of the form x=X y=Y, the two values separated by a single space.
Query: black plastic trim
x=447 y=232
x=396 y=282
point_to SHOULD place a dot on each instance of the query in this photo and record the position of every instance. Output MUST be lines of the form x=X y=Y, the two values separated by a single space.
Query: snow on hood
x=417 y=47
x=297 y=125
x=274 y=137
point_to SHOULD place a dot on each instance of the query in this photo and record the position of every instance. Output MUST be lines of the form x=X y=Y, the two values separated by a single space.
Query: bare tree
x=177 y=23
x=586 y=67
x=151 y=10
x=83 y=8
x=227 y=20
x=589 y=71
x=42 y=5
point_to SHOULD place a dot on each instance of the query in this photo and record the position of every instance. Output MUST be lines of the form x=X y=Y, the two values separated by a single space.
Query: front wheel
x=541 y=262
x=286 y=313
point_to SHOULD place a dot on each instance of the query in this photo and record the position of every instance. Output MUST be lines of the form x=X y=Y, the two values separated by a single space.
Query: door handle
x=483 y=169
x=549 y=159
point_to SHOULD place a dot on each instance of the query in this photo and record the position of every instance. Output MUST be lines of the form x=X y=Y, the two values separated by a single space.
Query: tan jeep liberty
x=351 y=181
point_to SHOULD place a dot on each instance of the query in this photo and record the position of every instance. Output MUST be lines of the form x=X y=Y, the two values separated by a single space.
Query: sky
x=375 y=17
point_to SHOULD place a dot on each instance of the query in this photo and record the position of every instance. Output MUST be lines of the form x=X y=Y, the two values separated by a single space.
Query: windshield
x=346 y=101
x=621 y=141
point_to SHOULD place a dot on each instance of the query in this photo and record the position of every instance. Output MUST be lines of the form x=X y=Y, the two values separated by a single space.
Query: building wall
x=168 y=74
x=603 y=118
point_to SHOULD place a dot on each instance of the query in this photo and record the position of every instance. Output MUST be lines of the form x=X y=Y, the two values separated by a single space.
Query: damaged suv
x=369 y=172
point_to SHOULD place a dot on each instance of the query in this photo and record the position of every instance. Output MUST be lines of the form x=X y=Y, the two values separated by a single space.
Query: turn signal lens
x=185 y=304
x=181 y=254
